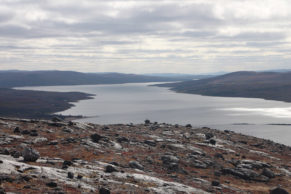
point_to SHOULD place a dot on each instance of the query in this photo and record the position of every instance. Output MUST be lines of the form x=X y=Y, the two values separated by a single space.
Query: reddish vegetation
x=202 y=162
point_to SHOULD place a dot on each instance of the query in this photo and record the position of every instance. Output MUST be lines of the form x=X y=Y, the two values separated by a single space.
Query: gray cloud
x=145 y=36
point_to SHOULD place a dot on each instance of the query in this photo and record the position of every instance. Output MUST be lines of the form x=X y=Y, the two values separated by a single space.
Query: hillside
x=67 y=157
x=10 y=79
x=36 y=104
x=181 y=75
x=266 y=85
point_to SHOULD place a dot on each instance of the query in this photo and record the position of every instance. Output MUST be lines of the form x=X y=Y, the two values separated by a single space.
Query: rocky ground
x=65 y=157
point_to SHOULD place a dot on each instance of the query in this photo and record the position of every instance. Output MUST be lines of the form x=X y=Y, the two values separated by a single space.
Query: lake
x=135 y=102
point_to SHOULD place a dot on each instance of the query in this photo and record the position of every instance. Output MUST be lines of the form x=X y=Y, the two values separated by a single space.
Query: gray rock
x=103 y=190
x=54 y=142
x=16 y=130
x=15 y=154
x=186 y=135
x=25 y=132
x=268 y=173
x=67 y=163
x=167 y=159
x=30 y=155
x=135 y=164
x=96 y=138
x=209 y=135
x=188 y=126
x=33 y=133
x=40 y=140
x=147 y=122
x=218 y=155
x=149 y=160
x=70 y=175
x=150 y=142
x=278 y=190
x=52 y=184
x=212 y=141
x=6 y=178
x=215 y=183
x=2 y=191
x=57 y=119
x=5 y=151
x=122 y=139
x=246 y=174
x=173 y=166
x=68 y=130
x=110 y=169
x=198 y=164
x=252 y=164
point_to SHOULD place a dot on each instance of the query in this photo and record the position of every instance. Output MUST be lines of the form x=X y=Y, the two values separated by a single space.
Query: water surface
x=135 y=102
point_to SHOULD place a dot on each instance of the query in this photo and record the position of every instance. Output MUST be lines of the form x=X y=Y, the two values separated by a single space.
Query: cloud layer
x=196 y=36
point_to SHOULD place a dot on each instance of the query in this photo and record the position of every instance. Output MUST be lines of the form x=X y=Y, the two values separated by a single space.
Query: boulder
x=40 y=140
x=25 y=132
x=53 y=142
x=215 y=183
x=30 y=155
x=15 y=154
x=5 y=151
x=57 y=119
x=212 y=141
x=2 y=191
x=198 y=164
x=173 y=166
x=243 y=173
x=52 y=184
x=68 y=130
x=70 y=175
x=110 y=169
x=268 y=173
x=208 y=135
x=122 y=139
x=218 y=155
x=278 y=190
x=16 y=130
x=150 y=142
x=136 y=165
x=252 y=164
x=147 y=122
x=103 y=190
x=96 y=138
x=167 y=159
x=66 y=164
x=33 y=133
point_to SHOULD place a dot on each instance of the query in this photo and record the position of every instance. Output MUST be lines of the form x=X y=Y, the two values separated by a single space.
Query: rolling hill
x=10 y=79
x=266 y=85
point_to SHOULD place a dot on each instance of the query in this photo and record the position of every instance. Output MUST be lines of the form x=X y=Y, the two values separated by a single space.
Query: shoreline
x=32 y=104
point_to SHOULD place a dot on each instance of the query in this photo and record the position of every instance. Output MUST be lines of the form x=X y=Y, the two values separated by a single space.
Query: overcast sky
x=178 y=36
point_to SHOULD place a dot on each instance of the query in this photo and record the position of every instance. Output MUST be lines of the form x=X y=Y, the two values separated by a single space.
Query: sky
x=154 y=36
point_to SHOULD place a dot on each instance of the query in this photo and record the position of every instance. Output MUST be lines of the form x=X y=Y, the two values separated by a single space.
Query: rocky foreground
x=67 y=157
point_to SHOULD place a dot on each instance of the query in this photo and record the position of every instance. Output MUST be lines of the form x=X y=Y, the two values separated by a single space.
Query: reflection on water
x=133 y=103
x=272 y=112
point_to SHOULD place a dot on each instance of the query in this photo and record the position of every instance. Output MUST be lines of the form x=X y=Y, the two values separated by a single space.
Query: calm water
x=133 y=103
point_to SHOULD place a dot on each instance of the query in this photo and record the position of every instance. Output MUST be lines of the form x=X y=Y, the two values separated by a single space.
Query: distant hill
x=266 y=85
x=180 y=75
x=51 y=78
